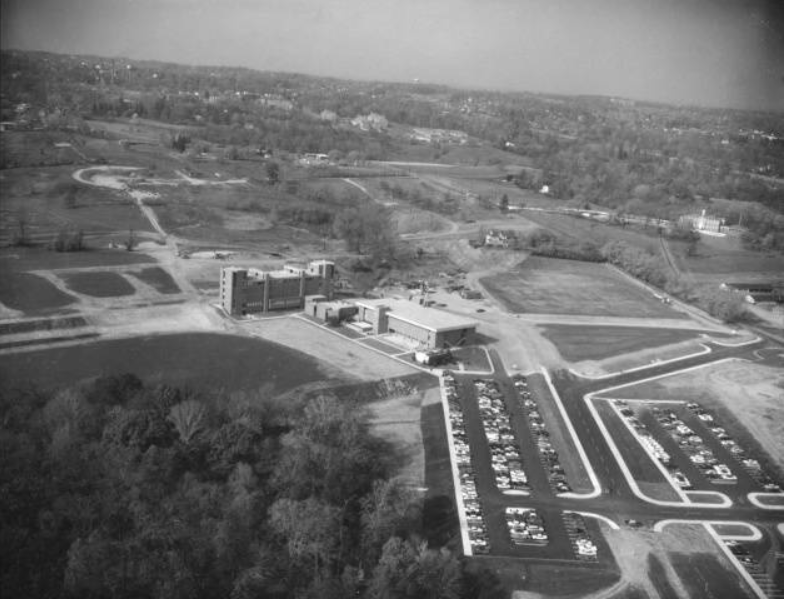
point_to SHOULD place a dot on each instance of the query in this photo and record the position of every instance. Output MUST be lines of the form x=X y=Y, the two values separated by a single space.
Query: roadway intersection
x=614 y=499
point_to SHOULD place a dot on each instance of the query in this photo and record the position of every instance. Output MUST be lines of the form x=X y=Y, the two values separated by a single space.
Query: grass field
x=579 y=342
x=31 y=294
x=40 y=198
x=552 y=286
x=724 y=258
x=199 y=361
x=36 y=258
x=98 y=284
x=745 y=397
x=46 y=324
x=157 y=278
x=583 y=229
x=704 y=576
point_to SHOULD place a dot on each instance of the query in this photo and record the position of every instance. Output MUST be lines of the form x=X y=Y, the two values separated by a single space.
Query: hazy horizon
x=713 y=53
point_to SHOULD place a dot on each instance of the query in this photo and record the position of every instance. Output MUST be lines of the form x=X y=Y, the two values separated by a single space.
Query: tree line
x=123 y=489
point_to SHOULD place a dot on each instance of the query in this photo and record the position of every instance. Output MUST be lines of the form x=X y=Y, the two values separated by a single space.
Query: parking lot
x=501 y=471
x=695 y=451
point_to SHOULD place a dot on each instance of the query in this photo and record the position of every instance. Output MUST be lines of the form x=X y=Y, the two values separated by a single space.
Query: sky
x=724 y=53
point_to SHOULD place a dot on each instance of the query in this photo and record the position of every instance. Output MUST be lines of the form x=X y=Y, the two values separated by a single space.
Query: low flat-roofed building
x=430 y=327
x=334 y=312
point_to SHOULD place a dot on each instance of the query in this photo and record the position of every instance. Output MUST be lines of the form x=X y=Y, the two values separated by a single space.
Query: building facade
x=430 y=328
x=245 y=291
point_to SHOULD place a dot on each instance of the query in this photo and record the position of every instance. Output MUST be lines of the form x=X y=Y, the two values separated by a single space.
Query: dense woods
x=121 y=489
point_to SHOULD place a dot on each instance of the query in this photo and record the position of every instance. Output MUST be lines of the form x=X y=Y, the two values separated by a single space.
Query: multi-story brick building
x=252 y=291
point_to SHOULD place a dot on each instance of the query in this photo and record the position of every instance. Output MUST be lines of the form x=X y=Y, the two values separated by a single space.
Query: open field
x=24 y=291
x=721 y=259
x=703 y=575
x=552 y=286
x=49 y=201
x=746 y=397
x=584 y=229
x=98 y=283
x=578 y=342
x=199 y=361
x=31 y=294
x=330 y=348
x=157 y=278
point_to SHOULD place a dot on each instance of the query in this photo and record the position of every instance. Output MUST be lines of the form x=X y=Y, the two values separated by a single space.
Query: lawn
x=157 y=278
x=704 y=576
x=586 y=342
x=38 y=258
x=553 y=286
x=724 y=258
x=31 y=294
x=204 y=362
x=46 y=324
x=584 y=229
x=39 y=196
x=98 y=284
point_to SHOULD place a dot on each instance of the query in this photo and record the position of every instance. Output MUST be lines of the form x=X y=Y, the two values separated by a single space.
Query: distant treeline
x=593 y=150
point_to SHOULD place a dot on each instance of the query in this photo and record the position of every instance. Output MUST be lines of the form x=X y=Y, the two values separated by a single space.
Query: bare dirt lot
x=552 y=286
x=750 y=393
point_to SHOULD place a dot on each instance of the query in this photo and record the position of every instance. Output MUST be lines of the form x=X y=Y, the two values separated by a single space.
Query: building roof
x=432 y=319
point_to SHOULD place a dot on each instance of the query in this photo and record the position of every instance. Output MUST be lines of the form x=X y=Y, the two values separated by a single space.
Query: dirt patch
x=739 y=390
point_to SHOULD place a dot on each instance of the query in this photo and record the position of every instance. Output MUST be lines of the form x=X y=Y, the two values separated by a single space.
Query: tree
x=405 y=571
x=504 y=204
x=21 y=234
x=310 y=527
x=130 y=242
x=69 y=199
x=188 y=418
x=273 y=171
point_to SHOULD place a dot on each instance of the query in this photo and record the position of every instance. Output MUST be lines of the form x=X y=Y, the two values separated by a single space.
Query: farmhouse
x=250 y=291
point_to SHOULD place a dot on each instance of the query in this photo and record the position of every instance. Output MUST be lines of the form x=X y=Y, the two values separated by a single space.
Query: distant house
x=371 y=122
x=702 y=222
x=428 y=135
x=314 y=159
x=756 y=292
x=496 y=239
x=328 y=115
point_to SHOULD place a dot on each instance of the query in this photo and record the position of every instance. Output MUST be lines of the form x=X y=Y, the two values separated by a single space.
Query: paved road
x=617 y=501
